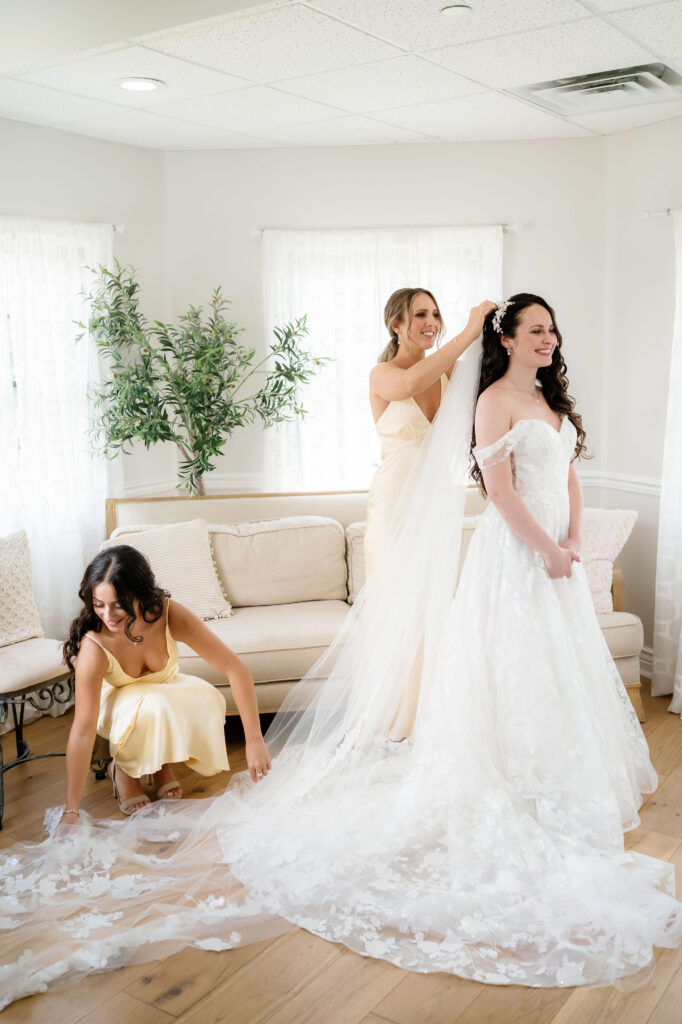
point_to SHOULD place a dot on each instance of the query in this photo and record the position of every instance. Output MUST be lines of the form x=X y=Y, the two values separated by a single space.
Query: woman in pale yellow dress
x=129 y=689
x=405 y=392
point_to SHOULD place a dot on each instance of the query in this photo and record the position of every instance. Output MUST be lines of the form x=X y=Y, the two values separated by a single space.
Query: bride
x=490 y=843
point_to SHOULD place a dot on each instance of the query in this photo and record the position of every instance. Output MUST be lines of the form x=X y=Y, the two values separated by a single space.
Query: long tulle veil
x=203 y=872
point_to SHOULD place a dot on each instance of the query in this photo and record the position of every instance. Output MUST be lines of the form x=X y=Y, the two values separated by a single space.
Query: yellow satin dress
x=401 y=427
x=162 y=717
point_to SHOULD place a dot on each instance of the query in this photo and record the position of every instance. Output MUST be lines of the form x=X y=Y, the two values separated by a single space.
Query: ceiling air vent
x=605 y=90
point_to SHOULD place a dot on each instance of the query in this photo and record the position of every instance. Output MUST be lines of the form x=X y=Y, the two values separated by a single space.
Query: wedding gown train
x=489 y=844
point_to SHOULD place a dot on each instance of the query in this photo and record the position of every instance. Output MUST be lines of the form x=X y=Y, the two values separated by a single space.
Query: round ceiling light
x=456 y=10
x=141 y=84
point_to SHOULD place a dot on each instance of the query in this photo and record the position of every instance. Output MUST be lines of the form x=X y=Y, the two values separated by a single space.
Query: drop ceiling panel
x=485 y=116
x=578 y=48
x=248 y=110
x=608 y=122
x=386 y=83
x=99 y=77
x=619 y=5
x=419 y=25
x=342 y=131
x=143 y=128
x=273 y=44
x=25 y=101
x=659 y=26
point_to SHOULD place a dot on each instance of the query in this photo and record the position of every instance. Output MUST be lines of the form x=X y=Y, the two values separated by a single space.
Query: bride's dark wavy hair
x=553 y=378
x=131 y=576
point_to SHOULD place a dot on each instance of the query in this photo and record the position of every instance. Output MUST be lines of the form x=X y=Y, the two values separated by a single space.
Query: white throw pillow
x=605 y=531
x=182 y=561
x=19 y=617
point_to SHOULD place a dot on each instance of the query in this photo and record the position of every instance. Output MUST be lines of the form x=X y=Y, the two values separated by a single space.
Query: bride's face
x=535 y=339
x=423 y=327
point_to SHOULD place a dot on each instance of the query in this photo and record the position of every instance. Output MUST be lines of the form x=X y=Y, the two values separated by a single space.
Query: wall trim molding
x=621 y=482
x=216 y=483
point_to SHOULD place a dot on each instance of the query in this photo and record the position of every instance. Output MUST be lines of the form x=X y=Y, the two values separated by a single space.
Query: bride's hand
x=572 y=544
x=257 y=758
x=559 y=562
x=477 y=318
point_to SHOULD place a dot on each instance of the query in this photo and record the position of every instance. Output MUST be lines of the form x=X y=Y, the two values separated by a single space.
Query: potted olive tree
x=191 y=383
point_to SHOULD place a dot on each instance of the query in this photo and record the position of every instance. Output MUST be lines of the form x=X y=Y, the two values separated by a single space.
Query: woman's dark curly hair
x=131 y=576
x=553 y=377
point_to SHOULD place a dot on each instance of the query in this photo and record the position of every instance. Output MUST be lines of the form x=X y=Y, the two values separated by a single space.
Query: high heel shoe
x=166 y=788
x=126 y=806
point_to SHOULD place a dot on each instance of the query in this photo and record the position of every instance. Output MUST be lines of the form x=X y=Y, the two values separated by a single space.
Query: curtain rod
x=258 y=232
x=659 y=213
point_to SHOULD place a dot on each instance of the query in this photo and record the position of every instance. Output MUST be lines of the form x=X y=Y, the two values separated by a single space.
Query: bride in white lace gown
x=488 y=845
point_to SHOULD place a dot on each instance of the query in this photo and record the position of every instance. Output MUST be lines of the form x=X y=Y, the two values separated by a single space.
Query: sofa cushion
x=277 y=642
x=19 y=617
x=623 y=633
x=281 y=561
x=181 y=559
x=355 y=552
x=31 y=661
x=355 y=557
x=605 y=531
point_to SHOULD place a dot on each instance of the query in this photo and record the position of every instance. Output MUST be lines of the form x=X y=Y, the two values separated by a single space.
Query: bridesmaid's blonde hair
x=399 y=307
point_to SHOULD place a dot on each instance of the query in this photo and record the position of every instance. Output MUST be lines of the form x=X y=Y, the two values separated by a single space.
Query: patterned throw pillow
x=605 y=531
x=182 y=561
x=19 y=618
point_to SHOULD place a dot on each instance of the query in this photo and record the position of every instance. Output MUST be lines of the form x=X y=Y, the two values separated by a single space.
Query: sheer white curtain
x=667 y=675
x=341 y=279
x=49 y=484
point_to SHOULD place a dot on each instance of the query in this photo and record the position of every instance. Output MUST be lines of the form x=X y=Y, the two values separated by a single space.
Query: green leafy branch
x=191 y=383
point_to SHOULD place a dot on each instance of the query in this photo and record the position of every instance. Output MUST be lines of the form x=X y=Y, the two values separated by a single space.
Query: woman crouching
x=129 y=689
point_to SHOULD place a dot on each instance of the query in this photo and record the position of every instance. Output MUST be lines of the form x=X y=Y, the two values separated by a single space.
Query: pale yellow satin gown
x=401 y=427
x=163 y=717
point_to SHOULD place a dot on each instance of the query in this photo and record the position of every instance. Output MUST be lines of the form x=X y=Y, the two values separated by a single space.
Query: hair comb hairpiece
x=499 y=314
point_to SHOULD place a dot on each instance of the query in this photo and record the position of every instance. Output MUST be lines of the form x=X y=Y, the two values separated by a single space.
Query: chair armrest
x=618 y=590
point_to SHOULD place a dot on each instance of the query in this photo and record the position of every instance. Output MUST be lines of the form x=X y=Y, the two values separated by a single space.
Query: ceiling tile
x=341 y=131
x=246 y=110
x=607 y=122
x=24 y=101
x=619 y=5
x=578 y=48
x=485 y=116
x=386 y=83
x=419 y=25
x=99 y=77
x=273 y=44
x=143 y=128
x=659 y=26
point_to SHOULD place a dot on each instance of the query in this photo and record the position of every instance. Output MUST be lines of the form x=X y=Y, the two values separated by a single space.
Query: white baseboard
x=646 y=662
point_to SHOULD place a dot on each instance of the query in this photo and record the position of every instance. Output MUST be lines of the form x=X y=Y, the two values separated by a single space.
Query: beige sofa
x=291 y=565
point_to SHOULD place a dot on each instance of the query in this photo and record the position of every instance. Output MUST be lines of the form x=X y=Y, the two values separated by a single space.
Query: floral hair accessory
x=500 y=314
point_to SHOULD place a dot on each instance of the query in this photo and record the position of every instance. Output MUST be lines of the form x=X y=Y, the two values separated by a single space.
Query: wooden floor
x=300 y=979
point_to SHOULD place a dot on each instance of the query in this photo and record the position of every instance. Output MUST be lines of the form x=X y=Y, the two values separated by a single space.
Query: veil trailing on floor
x=419 y=851
x=107 y=893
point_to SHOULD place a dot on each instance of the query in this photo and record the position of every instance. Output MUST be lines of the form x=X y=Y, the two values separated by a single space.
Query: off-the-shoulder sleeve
x=496 y=452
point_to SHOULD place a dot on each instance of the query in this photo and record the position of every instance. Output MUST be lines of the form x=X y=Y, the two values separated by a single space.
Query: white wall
x=642 y=172
x=553 y=189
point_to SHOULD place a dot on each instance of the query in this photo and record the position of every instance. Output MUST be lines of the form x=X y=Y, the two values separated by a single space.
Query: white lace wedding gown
x=488 y=845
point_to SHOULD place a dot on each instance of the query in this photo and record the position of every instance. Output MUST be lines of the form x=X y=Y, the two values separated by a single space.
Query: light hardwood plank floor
x=301 y=979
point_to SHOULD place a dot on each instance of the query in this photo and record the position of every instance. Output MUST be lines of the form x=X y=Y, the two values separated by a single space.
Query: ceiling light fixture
x=141 y=84
x=456 y=10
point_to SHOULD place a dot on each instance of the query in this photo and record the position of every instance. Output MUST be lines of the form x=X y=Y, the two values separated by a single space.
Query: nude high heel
x=125 y=806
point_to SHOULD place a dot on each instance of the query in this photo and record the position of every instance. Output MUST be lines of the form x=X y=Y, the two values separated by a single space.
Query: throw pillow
x=19 y=617
x=182 y=560
x=605 y=531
